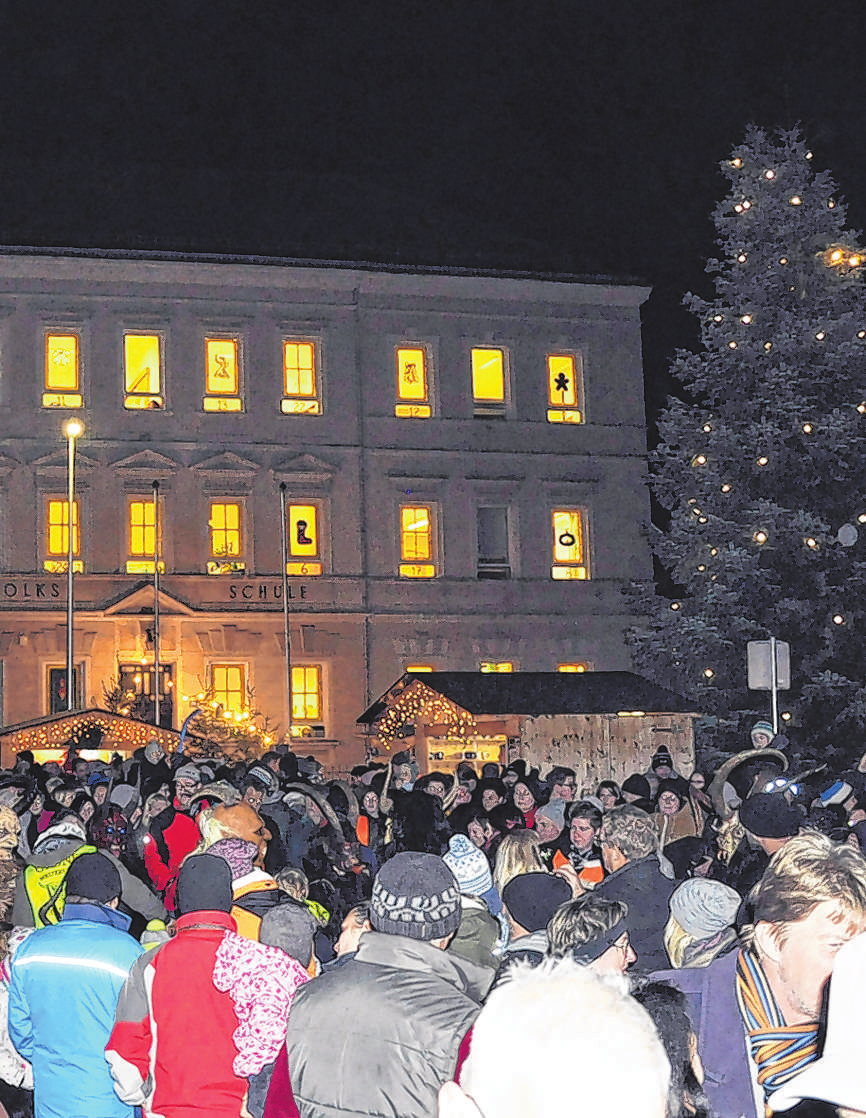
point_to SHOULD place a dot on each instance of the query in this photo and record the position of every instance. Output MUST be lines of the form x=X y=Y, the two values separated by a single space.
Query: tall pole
x=774 y=684
x=156 y=665
x=72 y=428
x=285 y=555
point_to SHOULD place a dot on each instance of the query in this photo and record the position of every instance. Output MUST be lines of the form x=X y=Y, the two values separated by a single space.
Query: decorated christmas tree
x=761 y=465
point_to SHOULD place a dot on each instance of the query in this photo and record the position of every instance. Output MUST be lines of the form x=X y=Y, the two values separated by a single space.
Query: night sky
x=541 y=136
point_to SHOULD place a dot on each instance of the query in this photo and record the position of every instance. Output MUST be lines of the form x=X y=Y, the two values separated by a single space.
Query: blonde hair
x=517 y=853
x=676 y=940
x=807 y=871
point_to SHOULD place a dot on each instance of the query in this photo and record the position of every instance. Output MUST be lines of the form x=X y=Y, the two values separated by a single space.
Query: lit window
x=62 y=372
x=141 y=527
x=416 y=542
x=569 y=551
x=420 y=668
x=222 y=375
x=306 y=692
x=492 y=527
x=413 y=393
x=142 y=371
x=229 y=686
x=57 y=536
x=226 y=540
x=578 y=668
x=488 y=381
x=305 y=556
x=301 y=392
x=487 y=666
x=563 y=398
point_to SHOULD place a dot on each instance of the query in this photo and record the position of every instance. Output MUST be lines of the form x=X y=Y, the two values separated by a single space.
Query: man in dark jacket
x=381 y=1034
x=629 y=847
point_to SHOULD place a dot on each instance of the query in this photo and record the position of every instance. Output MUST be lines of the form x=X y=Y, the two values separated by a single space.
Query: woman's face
x=546 y=829
x=523 y=798
x=489 y=799
x=38 y=804
x=85 y=812
x=370 y=803
x=100 y=794
x=669 y=803
x=608 y=798
x=65 y=796
x=698 y=781
x=476 y=833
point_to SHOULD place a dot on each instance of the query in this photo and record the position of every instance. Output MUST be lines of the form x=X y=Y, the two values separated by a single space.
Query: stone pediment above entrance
x=139 y=600
x=306 y=469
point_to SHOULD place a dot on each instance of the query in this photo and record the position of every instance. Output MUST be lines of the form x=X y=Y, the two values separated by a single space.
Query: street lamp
x=72 y=429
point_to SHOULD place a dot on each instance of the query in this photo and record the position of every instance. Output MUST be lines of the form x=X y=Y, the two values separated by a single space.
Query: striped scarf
x=780 y=1051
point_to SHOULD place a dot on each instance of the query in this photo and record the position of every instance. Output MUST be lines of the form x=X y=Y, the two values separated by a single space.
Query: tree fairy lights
x=416 y=702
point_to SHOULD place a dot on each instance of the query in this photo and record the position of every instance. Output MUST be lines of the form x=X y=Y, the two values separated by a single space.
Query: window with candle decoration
x=758 y=472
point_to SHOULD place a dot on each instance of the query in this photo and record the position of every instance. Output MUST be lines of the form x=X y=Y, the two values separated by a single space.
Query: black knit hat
x=769 y=815
x=94 y=878
x=415 y=895
x=204 y=884
x=532 y=898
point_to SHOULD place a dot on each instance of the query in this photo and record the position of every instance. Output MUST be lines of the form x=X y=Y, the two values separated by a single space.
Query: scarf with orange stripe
x=780 y=1051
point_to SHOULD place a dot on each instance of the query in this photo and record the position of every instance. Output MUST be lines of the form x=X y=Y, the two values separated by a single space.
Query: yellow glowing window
x=229 y=686
x=569 y=553
x=306 y=692
x=573 y=668
x=413 y=396
x=62 y=372
x=142 y=537
x=420 y=668
x=222 y=375
x=496 y=666
x=302 y=523
x=488 y=379
x=57 y=536
x=226 y=541
x=563 y=399
x=416 y=541
x=300 y=379
x=142 y=371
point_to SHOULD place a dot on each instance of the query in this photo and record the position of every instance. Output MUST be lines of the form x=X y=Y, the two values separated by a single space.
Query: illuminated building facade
x=458 y=461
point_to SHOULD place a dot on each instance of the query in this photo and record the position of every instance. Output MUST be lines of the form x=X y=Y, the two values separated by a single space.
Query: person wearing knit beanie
x=770 y=820
x=91 y=877
x=415 y=895
x=204 y=884
x=700 y=926
x=481 y=926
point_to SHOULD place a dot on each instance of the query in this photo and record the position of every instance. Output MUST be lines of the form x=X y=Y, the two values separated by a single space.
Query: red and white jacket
x=197 y=1016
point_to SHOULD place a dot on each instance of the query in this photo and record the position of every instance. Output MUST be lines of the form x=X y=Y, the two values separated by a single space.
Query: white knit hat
x=469 y=866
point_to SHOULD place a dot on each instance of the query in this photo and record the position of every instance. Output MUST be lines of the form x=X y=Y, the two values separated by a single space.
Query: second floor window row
x=419 y=548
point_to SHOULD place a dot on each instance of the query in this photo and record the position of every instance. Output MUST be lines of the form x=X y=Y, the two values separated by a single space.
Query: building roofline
x=188 y=257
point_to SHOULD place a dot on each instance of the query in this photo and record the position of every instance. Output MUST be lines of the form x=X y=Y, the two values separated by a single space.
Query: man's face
x=478 y=832
x=805 y=959
x=582 y=833
x=760 y=739
x=523 y=799
x=436 y=788
x=79 y=771
x=185 y=789
x=564 y=790
x=662 y=771
x=669 y=803
x=608 y=798
x=617 y=959
x=546 y=829
x=350 y=934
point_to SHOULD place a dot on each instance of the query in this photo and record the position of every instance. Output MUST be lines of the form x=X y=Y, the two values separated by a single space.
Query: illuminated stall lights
x=416 y=701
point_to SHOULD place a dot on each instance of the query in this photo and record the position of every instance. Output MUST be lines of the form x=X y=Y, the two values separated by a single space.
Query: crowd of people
x=181 y=936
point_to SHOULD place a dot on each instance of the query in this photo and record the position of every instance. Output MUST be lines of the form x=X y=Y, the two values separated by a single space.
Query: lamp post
x=72 y=429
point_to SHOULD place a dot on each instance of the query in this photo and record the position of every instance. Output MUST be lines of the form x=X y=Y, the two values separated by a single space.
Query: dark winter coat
x=380 y=1035
x=646 y=891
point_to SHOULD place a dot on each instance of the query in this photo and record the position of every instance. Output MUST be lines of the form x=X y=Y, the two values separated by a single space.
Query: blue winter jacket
x=66 y=980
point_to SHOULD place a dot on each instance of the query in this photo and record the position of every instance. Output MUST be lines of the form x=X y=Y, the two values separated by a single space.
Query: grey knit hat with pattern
x=415 y=895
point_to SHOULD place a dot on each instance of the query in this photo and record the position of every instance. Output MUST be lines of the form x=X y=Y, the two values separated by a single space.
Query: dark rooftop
x=537 y=693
